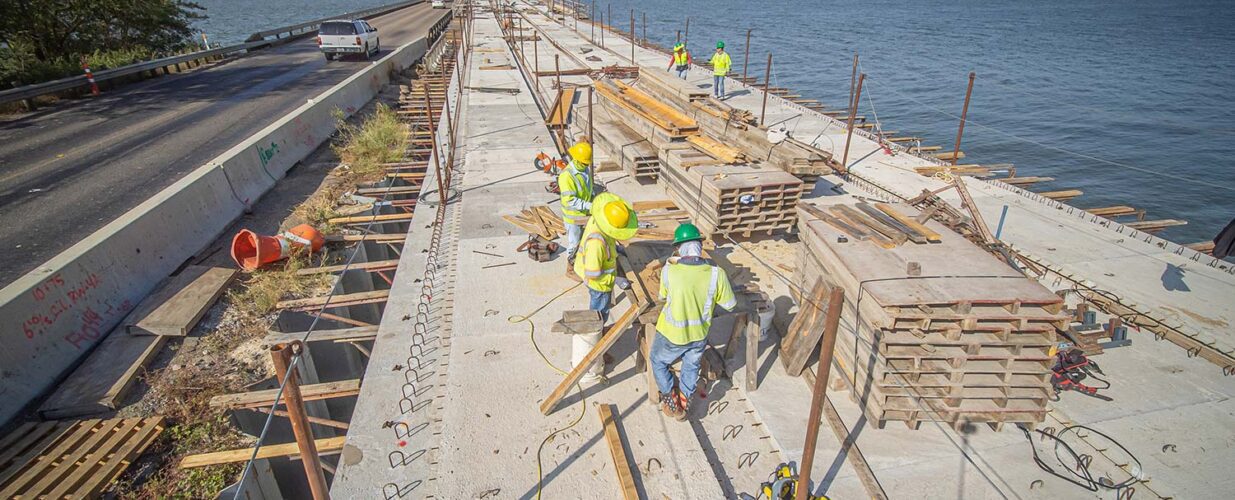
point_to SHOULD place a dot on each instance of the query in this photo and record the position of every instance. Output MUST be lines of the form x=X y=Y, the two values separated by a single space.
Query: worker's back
x=691 y=287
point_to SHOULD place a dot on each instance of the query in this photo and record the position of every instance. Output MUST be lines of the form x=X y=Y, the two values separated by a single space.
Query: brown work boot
x=570 y=270
x=669 y=405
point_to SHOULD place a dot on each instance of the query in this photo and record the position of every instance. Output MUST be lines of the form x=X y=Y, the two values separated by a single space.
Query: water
x=232 y=21
x=1141 y=83
x=1146 y=84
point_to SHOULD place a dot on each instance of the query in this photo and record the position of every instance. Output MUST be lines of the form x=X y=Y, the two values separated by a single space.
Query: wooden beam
x=621 y=463
x=360 y=219
x=377 y=238
x=606 y=341
x=1205 y=247
x=377 y=265
x=356 y=334
x=310 y=392
x=325 y=446
x=1153 y=226
x=1064 y=194
x=910 y=222
x=343 y=300
x=1021 y=181
x=1115 y=211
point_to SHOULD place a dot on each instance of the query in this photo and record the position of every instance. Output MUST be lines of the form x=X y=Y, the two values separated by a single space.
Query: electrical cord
x=516 y=318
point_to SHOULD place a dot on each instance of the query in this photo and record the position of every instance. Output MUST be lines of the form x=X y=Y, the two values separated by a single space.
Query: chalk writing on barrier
x=56 y=297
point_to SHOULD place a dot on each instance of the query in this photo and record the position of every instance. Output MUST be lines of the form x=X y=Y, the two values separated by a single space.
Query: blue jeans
x=664 y=353
x=573 y=235
x=718 y=85
x=682 y=70
x=600 y=301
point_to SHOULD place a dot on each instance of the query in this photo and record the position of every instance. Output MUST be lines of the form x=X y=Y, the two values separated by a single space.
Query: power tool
x=1071 y=368
x=782 y=484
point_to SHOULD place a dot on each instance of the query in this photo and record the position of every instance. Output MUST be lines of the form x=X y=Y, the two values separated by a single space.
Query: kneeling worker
x=690 y=285
x=577 y=189
x=613 y=220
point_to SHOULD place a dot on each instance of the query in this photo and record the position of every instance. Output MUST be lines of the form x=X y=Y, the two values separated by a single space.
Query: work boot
x=570 y=268
x=669 y=405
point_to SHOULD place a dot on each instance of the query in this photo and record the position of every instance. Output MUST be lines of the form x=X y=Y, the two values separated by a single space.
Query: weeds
x=380 y=138
x=265 y=288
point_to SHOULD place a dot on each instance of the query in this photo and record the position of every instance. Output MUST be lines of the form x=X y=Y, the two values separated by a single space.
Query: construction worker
x=720 y=67
x=690 y=285
x=680 y=60
x=612 y=220
x=577 y=189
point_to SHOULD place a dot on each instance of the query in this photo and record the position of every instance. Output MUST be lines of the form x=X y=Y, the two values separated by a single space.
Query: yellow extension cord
x=540 y=476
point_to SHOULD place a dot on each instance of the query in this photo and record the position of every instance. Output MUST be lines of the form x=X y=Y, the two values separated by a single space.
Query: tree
x=56 y=29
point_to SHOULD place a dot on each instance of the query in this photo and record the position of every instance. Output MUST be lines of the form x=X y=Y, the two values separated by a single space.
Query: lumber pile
x=632 y=152
x=731 y=199
x=71 y=459
x=931 y=332
x=539 y=220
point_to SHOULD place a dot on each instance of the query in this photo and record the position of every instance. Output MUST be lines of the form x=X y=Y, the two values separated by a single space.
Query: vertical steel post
x=835 y=302
x=853 y=110
x=437 y=160
x=632 y=37
x=282 y=356
x=609 y=21
x=536 y=62
x=589 y=113
x=956 y=150
x=746 y=59
x=853 y=78
x=686 y=35
x=593 y=22
x=679 y=38
x=767 y=84
x=557 y=68
x=645 y=28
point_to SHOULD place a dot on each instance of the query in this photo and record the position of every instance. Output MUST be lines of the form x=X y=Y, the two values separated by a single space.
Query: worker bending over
x=690 y=285
x=720 y=67
x=680 y=60
x=612 y=220
x=577 y=190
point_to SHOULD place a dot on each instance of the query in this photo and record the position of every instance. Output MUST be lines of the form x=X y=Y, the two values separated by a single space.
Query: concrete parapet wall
x=53 y=315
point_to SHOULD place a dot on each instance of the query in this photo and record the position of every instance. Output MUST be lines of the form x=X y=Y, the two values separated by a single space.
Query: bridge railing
x=255 y=41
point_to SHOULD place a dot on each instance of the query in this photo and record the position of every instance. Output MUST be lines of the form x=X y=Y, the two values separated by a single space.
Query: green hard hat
x=685 y=233
x=720 y=44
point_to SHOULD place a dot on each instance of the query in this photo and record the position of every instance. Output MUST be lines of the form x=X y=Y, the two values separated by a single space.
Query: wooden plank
x=69 y=461
x=641 y=206
x=310 y=392
x=1115 y=211
x=752 y=355
x=878 y=215
x=355 y=266
x=606 y=341
x=377 y=238
x=36 y=469
x=1063 y=194
x=1151 y=226
x=101 y=382
x=324 y=446
x=805 y=330
x=179 y=303
x=26 y=443
x=621 y=463
x=893 y=234
x=356 y=334
x=716 y=149
x=1023 y=181
x=371 y=218
x=125 y=446
x=335 y=300
x=910 y=222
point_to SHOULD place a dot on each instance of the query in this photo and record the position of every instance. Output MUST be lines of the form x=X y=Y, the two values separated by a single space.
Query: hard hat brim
x=618 y=233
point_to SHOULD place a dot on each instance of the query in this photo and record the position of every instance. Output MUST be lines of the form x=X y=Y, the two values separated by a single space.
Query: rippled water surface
x=1129 y=101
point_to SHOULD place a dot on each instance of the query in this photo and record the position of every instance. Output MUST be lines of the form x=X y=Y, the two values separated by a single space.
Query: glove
x=621 y=250
x=621 y=283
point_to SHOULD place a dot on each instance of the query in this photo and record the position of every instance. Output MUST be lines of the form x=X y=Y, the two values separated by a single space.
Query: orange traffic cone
x=251 y=250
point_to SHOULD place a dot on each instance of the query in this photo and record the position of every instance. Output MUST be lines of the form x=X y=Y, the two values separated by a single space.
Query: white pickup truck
x=341 y=37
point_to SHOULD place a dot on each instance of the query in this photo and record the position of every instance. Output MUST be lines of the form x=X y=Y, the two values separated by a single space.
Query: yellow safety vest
x=721 y=63
x=597 y=262
x=689 y=292
x=574 y=182
x=680 y=58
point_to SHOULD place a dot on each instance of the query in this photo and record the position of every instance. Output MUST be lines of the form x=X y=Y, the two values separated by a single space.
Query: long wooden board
x=621 y=463
x=606 y=342
x=359 y=333
x=101 y=382
x=325 y=446
x=179 y=303
x=71 y=459
x=805 y=331
x=310 y=392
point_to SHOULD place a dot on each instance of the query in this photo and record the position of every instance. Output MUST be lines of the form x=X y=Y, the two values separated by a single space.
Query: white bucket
x=580 y=345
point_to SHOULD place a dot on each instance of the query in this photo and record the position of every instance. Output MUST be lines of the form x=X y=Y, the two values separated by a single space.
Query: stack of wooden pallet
x=633 y=153
x=731 y=199
x=931 y=332
x=539 y=220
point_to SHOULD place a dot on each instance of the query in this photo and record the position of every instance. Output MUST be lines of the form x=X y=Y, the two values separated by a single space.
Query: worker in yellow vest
x=690 y=286
x=577 y=189
x=720 y=67
x=612 y=220
x=680 y=60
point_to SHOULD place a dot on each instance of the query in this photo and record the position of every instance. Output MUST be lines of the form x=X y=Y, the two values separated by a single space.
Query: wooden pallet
x=712 y=194
x=73 y=459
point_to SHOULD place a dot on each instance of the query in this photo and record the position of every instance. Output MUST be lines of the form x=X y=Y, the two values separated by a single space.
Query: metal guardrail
x=254 y=41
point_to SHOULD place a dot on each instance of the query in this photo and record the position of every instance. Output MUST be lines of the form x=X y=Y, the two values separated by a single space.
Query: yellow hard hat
x=582 y=153
x=614 y=216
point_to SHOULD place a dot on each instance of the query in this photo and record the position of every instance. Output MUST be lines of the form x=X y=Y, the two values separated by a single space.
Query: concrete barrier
x=53 y=315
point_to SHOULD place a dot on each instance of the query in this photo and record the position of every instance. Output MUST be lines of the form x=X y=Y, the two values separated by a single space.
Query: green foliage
x=48 y=38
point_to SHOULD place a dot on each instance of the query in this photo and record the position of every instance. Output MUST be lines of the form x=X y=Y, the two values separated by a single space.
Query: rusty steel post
x=645 y=28
x=679 y=39
x=589 y=114
x=853 y=110
x=536 y=61
x=746 y=59
x=835 y=302
x=956 y=150
x=767 y=84
x=593 y=22
x=437 y=160
x=557 y=68
x=686 y=35
x=632 y=38
x=602 y=29
x=853 y=78
x=282 y=355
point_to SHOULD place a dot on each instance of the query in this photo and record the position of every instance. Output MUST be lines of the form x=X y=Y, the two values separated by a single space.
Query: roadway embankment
x=57 y=312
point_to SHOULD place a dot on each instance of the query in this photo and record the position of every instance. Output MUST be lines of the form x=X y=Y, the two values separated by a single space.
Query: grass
x=266 y=287
x=380 y=138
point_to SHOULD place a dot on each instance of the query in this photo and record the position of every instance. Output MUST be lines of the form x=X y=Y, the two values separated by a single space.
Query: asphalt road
x=68 y=170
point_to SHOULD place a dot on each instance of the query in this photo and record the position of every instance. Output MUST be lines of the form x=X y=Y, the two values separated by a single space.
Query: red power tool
x=1071 y=368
